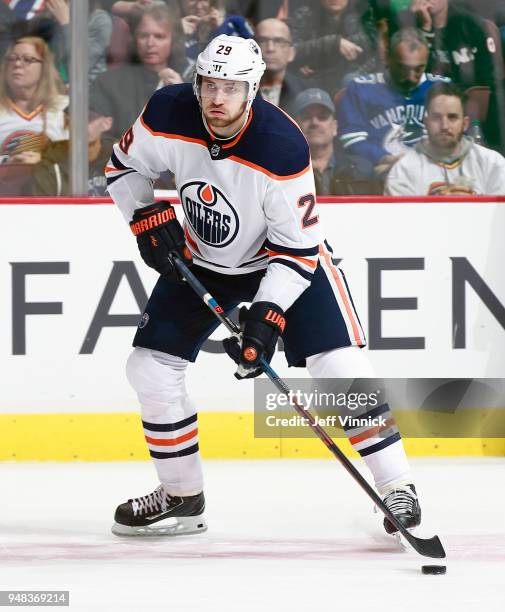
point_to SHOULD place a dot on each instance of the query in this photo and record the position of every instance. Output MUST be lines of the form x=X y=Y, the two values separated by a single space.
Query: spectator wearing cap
x=51 y=176
x=314 y=112
x=279 y=84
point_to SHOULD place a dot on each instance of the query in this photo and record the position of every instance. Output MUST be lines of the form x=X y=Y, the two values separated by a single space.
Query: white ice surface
x=283 y=535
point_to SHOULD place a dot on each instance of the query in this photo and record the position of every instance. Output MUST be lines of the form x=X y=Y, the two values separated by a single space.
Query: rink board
x=225 y=435
x=426 y=277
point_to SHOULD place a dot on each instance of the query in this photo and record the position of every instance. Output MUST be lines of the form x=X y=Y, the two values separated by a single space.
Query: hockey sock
x=169 y=419
x=380 y=445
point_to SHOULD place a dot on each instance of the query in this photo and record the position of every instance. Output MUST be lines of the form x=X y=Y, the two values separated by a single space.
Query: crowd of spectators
x=354 y=74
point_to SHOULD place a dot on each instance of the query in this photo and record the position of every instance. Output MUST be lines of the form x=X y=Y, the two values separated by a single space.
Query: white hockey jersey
x=17 y=127
x=248 y=202
x=476 y=171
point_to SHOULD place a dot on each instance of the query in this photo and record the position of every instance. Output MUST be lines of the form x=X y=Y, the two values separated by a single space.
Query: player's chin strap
x=431 y=547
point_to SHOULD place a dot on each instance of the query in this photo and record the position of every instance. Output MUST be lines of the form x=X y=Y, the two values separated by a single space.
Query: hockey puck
x=434 y=569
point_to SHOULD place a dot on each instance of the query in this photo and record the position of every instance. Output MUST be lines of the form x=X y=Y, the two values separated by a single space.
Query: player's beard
x=225 y=122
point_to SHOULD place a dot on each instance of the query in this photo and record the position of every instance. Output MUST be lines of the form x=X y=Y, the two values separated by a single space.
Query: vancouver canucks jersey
x=376 y=119
x=249 y=202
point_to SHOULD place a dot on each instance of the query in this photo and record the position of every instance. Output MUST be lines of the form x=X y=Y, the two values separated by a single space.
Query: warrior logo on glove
x=260 y=326
x=155 y=219
x=159 y=237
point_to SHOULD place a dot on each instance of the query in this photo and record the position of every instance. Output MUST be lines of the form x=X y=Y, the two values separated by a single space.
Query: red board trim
x=77 y=201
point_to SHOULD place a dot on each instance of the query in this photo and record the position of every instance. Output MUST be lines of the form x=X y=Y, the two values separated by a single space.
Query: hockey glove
x=159 y=234
x=260 y=326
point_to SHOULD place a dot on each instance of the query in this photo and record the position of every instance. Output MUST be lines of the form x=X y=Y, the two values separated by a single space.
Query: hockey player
x=253 y=233
x=447 y=162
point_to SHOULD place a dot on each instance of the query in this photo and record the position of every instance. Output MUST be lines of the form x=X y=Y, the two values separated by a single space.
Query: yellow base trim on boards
x=223 y=435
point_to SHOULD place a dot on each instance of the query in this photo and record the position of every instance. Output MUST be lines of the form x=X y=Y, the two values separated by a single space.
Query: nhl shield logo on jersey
x=214 y=150
x=209 y=213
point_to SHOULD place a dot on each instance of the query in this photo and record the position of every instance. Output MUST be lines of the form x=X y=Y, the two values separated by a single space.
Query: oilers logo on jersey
x=209 y=213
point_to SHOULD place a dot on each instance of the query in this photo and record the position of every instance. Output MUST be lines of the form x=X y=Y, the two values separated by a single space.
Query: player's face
x=223 y=104
x=22 y=70
x=154 y=43
x=318 y=125
x=445 y=123
x=406 y=66
x=274 y=38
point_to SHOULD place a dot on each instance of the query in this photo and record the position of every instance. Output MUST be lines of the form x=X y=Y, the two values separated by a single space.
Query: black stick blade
x=428 y=548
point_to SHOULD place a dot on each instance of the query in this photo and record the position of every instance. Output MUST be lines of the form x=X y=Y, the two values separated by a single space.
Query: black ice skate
x=403 y=503
x=159 y=513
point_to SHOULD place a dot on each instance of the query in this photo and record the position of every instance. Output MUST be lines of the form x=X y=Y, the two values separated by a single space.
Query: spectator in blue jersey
x=464 y=46
x=279 y=85
x=381 y=115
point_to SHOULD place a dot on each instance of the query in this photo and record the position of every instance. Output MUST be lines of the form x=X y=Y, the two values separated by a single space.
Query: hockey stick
x=431 y=547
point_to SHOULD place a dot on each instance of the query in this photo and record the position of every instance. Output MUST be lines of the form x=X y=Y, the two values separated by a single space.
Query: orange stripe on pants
x=343 y=295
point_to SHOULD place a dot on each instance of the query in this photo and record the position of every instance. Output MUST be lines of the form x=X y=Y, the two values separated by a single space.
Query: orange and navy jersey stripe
x=302 y=260
x=115 y=169
x=173 y=112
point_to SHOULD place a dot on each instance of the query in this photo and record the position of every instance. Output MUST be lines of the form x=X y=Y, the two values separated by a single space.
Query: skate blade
x=184 y=525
